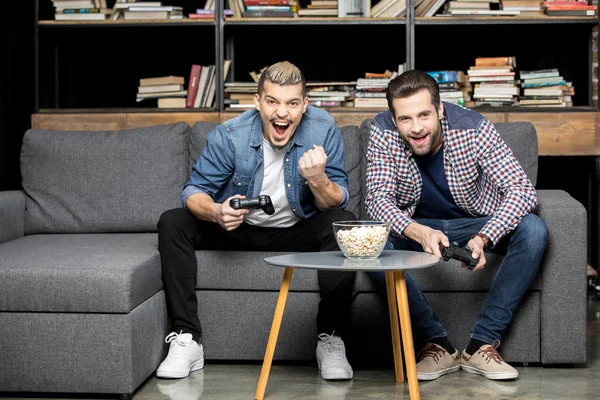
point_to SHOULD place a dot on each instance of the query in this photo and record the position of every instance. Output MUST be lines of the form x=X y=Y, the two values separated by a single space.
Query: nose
x=282 y=110
x=416 y=125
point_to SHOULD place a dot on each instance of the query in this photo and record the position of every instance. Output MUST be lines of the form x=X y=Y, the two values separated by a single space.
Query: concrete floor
x=238 y=381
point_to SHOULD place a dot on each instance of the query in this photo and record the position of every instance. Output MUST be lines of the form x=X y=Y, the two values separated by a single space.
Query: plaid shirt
x=483 y=175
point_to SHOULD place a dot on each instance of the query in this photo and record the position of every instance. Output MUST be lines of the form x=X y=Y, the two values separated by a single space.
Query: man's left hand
x=476 y=246
x=312 y=165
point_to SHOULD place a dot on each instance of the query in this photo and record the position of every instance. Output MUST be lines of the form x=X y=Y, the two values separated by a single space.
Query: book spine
x=267 y=14
x=80 y=10
x=193 y=85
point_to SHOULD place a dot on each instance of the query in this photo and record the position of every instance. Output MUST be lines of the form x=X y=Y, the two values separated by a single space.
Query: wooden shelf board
x=482 y=19
x=559 y=133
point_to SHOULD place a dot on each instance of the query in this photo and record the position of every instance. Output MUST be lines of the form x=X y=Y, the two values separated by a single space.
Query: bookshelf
x=95 y=65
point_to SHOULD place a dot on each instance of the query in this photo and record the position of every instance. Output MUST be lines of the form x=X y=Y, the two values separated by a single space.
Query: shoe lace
x=334 y=347
x=431 y=350
x=490 y=352
x=178 y=348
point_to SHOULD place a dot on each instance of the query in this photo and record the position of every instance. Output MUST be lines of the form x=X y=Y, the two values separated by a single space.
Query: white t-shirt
x=273 y=185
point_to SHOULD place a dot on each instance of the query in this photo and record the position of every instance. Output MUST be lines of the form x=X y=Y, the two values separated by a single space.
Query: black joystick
x=263 y=202
x=462 y=254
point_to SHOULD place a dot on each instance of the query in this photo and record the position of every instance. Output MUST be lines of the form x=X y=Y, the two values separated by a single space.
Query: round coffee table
x=394 y=263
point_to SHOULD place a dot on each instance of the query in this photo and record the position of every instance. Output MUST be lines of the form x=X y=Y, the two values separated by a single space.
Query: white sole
x=495 y=376
x=434 y=375
x=335 y=376
x=198 y=365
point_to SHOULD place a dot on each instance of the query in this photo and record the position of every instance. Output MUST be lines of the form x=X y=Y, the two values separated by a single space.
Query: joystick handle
x=462 y=254
x=263 y=202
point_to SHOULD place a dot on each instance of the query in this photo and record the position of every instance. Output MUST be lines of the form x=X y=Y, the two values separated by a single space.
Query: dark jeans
x=523 y=247
x=180 y=234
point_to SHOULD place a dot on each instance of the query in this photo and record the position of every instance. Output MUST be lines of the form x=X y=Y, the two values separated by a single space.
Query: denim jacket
x=232 y=160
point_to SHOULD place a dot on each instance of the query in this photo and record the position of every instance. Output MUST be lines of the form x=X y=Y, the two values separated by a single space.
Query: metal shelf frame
x=224 y=45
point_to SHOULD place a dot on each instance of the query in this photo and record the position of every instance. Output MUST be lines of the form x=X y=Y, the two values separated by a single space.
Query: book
x=193 y=85
x=171 y=102
x=164 y=80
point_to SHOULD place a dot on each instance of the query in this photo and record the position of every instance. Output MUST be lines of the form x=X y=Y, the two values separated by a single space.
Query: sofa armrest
x=563 y=275
x=12 y=215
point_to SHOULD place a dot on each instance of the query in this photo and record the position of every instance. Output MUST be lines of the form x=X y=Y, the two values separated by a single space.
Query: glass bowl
x=361 y=239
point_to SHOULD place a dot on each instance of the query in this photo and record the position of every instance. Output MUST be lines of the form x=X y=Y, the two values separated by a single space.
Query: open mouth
x=280 y=127
x=419 y=140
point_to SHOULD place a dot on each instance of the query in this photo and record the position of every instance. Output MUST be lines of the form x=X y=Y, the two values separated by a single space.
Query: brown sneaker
x=434 y=361
x=487 y=362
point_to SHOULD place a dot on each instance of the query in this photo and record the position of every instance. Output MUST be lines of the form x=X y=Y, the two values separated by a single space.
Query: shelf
x=502 y=20
x=123 y=23
x=560 y=133
x=314 y=21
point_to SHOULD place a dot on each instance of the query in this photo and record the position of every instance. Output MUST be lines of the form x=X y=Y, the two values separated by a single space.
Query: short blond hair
x=283 y=73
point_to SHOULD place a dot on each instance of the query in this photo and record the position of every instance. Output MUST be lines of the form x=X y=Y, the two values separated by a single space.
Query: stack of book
x=208 y=12
x=81 y=10
x=545 y=88
x=494 y=81
x=370 y=90
x=569 y=8
x=526 y=8
x=240 y=95
x=167 y=89
x=264 y=8
x=454 y=86
x=320 y=8
x=331 y=94
x=146 y=10
x=476 y=7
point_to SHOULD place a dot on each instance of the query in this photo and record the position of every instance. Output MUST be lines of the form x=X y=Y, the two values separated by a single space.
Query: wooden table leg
x=407 y=339
x=394 y=324
x=266 y=368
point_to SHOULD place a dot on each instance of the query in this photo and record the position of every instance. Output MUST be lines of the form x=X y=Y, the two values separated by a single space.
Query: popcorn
x=362 y=241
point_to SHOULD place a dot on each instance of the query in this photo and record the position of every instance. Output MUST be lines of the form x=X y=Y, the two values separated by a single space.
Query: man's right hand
x=428 y=238
x=228 y=217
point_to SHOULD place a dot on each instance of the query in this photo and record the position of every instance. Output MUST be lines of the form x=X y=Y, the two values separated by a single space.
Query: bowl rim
x=360 y=222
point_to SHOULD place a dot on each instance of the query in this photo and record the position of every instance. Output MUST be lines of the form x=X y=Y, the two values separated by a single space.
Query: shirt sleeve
x=381 y=182
x=213 y=168
x=500 y=166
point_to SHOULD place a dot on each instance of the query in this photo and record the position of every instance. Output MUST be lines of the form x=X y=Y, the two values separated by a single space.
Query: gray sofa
x=82 y=308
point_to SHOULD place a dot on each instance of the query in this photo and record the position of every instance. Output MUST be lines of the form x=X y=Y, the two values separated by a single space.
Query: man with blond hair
x=293 y=153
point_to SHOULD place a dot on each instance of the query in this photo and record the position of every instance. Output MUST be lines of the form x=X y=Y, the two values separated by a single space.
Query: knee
x=171 y=219
x=534 y=230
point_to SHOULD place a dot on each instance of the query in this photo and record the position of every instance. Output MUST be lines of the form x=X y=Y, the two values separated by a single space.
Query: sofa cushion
x=200 y=131
x=98 y=273
x=353 y=159
x=522 y=139
x=112 y=181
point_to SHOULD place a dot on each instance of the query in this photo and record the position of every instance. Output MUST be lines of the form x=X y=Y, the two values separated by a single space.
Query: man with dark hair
x=440 y=173
x=285 y=149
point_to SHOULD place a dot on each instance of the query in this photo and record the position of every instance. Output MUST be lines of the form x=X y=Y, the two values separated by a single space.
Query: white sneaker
x=331 y=357
x=185 y=355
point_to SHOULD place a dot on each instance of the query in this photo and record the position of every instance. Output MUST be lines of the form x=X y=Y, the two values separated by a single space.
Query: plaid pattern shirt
x=483 y=175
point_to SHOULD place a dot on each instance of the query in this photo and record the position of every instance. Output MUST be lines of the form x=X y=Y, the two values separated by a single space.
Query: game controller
x=263 y=202
x=462 y=254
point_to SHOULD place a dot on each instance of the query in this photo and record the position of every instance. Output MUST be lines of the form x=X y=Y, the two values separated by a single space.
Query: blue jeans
x=523 y=249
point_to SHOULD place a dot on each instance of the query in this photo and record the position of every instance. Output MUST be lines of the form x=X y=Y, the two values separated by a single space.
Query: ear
x=393 y=118
x=305 y=104
x=257 y=101
x=441 y=110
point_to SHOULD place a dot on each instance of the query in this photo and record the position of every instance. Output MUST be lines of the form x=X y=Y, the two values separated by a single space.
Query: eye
x=294 y=103
x=270 y=102
x=404 y=120
x=424 y=116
